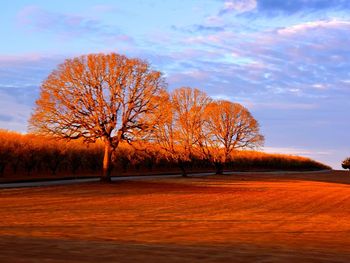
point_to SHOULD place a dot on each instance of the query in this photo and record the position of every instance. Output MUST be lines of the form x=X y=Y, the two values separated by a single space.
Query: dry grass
x=255 y=218
x=29 y=156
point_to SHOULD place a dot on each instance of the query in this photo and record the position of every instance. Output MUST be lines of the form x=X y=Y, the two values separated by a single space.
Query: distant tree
x=32 y=154
x=54 y=155
x=227 y=126
x=180 y=124
x=346 y=163
x=98 y=97
x=6 y=150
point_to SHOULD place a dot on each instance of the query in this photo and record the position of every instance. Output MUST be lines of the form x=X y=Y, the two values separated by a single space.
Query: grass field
x=237 y=218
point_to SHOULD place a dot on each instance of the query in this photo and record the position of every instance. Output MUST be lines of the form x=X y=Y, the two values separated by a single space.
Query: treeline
x=111 y=99
x=28 y=154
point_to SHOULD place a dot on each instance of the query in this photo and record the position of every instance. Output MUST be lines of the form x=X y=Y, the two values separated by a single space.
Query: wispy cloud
x=285 y=7
x=26 y=70
x=13 y=112
x=298 y=151
x=237 y=6
x=199 y=29
x=294 y=6
x=69 y=25
x=288 y=60
x=20 y=80
x=321 y=24
x=103 y=9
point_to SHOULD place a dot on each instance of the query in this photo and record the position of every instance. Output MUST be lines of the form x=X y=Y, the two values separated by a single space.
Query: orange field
x=236 y=218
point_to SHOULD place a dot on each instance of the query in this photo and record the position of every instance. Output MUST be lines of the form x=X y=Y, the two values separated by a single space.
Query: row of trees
x=29 y=155
x=192 y=124
x=112 y=99
x=25 y=154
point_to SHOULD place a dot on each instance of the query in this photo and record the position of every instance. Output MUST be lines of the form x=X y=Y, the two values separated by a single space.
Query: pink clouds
x=39 y=19
x=239 y=6
x=65 y=25
x=298 y=151
x=320 y=24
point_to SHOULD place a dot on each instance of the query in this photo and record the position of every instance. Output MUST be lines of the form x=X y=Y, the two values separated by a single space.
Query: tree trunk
x=2 y=169
x=107 y=159
x=182 y=168
x=219 y=167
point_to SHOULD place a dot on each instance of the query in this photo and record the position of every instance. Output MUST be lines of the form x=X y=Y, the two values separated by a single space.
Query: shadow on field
x=332 y=176
x=230 y=218
x=15 y=249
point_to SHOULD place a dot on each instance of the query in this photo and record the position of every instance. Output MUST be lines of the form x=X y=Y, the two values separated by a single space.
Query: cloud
x=69 y=25
x=6 y=118
x=104 y=8
x=282 y=7
x=270 y=105
x=293 y=6
x=328 y=156
x=319 y=86
x=193 y=29
x=238 y=6
x=26 y=70
x=13 y=112
x=20 y=80
x=297 y=151
x=314 y=25
x=283 y=106
x=309 y=59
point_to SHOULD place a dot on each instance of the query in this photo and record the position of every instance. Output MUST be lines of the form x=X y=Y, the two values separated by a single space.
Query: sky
x=287 y=61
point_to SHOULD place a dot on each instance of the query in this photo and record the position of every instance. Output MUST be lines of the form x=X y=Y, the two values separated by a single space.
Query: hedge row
x=27 y=154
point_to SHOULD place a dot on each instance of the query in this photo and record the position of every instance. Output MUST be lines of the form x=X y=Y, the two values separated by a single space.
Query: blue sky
x=288 y=61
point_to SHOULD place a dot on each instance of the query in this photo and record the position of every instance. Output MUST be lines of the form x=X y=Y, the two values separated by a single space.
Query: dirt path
x=148 y=177
x=90 y=180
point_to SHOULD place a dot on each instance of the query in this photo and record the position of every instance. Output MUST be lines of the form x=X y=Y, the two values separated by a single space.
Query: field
x=235 y=218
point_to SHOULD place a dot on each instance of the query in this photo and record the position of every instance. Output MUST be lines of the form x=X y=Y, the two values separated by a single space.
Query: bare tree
x=7 y=150
x=227 y=126
x=98 y=97
x=180 y=125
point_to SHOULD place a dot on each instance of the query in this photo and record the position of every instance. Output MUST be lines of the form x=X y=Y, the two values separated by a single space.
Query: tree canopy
x=113 y=98
x=98 y=96
x=179 y=129
x=228 y=126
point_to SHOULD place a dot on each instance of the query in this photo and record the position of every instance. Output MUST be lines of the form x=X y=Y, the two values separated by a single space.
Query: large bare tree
x=98 y=97
x=180 y=124
x=227 y=126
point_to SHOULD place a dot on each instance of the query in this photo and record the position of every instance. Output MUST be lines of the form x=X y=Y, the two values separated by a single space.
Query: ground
x=233 y=218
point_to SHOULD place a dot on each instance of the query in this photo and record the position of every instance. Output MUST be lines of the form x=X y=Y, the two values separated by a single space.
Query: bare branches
x=114 y=98
x=229 y=126
x=97 y=96
x=180 y=126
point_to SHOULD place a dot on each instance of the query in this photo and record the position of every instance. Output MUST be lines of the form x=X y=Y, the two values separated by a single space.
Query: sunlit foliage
x=179 y=131
x=121 y=107
x=104 y=97
x=227 y=126
x=29 y=155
